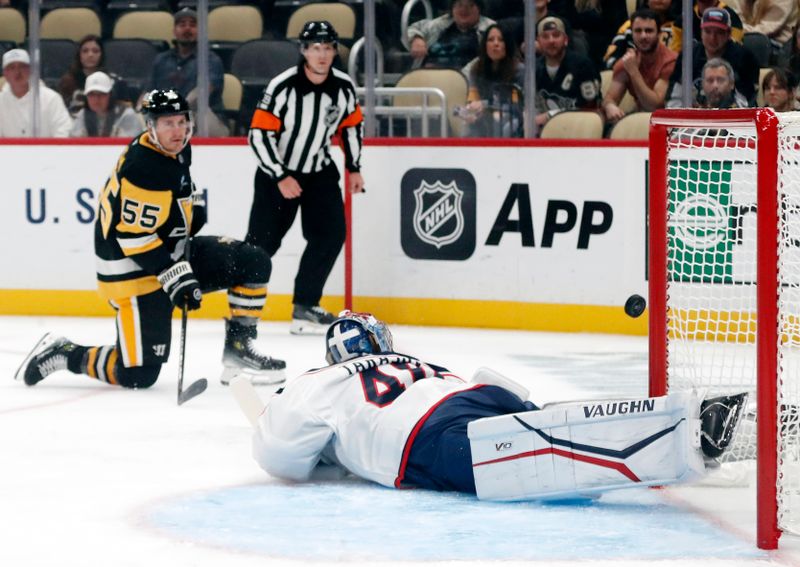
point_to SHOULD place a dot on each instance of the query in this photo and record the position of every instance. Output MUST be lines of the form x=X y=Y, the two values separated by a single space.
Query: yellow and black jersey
x=144 y=214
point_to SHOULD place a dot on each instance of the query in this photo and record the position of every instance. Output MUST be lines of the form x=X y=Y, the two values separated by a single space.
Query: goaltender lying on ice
x=398 y=421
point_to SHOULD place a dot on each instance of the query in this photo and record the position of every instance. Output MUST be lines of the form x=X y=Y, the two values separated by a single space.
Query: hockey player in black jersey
x=147 y=212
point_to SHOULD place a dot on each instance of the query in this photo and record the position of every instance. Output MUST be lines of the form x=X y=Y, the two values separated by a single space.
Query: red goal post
x=724 y=279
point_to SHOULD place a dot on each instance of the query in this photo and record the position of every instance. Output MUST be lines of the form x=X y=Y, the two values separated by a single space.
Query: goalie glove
x=181 y=286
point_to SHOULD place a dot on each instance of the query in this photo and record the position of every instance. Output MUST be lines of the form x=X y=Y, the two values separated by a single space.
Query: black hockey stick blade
x=195 y=389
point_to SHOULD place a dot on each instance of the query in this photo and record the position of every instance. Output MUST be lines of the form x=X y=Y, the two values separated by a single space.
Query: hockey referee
x=291 y=130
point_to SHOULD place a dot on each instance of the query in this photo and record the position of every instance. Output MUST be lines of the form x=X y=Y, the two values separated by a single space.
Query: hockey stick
x=198 y=386
x=248 y=399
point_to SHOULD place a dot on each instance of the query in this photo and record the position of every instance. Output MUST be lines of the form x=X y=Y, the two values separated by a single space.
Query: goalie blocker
x=580 y=449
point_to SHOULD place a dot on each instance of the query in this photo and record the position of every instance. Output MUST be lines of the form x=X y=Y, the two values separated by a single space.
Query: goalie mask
x=159 y=103
x=356 y=334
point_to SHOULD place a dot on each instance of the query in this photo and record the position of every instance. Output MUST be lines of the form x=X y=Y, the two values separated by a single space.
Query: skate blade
x=267 y=378
x=40 y=346
x=301 y=327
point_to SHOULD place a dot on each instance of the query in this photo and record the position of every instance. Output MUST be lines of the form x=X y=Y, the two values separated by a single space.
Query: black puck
x=635 y=305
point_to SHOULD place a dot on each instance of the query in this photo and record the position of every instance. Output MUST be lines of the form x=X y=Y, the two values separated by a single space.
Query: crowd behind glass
x=606 y=57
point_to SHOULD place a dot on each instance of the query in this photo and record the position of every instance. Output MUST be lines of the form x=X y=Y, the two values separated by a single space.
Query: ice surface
x=95 y=475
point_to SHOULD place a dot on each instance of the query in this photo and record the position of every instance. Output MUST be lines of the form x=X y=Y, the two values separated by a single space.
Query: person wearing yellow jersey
x=148 y=212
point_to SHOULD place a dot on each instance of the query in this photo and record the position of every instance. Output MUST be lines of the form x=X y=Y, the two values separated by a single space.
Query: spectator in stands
x=596 y=21
x=496 y=79
x=644 y=70
x=719 y=86
x=104 y=116
x=501 y=9
x=88 y=59
x=779 y=88
x=700 y=7
x=16 y=102
x=716 y=42
x=773 y=19
x=177 y=69
x=624 y=38
x=564 y=79
x=542 y=9
x=451 y=40
x=789 y=56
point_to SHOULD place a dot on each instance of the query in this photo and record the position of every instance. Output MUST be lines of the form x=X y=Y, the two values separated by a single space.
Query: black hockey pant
x=323 y=223
x=144 y=327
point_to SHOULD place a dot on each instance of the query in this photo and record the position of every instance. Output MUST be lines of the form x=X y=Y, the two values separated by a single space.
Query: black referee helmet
x=320 y=31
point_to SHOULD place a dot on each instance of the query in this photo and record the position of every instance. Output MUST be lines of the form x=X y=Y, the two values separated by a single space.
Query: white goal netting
x=713 y=317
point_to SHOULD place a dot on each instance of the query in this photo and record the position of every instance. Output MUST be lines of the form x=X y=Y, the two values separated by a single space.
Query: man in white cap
x=16 y=102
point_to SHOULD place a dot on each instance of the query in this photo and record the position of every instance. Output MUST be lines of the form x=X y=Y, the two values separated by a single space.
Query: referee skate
x=312 y=320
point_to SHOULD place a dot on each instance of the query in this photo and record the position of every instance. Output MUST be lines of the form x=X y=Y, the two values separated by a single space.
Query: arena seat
x=634 y=126
x=145 y=24
x=12 y=25
x=340 y=15
x=628 y=103
x=576 y=124
x=232 y=101
x=259 y=60
x=212 y=4
x=230 y=26
x=255 y=63
x=57 y=55
x=759 y=45
x=234 y=23
x=70 y=23
x=130 y=59
x=451 y=81
x=232 y=92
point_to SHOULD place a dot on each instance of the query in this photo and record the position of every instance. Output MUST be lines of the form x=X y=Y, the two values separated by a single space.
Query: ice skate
x=310 y=320
x=49 y=354
x=240 y=359
x=720 y=418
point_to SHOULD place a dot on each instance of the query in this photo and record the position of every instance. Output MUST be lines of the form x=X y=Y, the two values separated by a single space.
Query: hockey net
x=724 y=283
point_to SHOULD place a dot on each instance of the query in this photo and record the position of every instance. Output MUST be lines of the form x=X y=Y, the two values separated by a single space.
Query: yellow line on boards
x=407 y=311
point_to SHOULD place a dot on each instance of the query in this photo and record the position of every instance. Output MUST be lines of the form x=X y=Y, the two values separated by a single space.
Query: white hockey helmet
x=356 y=334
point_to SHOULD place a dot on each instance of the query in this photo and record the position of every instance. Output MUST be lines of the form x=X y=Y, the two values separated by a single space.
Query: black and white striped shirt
x=292 y=126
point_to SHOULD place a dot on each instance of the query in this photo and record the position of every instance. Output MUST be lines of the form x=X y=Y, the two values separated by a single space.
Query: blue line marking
x=358 y=521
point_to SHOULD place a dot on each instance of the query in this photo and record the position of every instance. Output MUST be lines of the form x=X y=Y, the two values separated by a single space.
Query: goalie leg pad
x=484 y=375
x=587 y=448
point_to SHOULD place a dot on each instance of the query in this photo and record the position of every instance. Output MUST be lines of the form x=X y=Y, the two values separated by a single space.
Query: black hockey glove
x=182 y=287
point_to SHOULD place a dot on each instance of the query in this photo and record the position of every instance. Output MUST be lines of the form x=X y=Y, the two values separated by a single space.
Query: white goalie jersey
x=360 y=415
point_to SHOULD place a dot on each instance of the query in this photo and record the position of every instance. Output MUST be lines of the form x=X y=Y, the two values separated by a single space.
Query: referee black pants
x=322 y=218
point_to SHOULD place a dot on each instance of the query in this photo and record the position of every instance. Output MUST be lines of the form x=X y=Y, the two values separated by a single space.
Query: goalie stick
x=248 y=399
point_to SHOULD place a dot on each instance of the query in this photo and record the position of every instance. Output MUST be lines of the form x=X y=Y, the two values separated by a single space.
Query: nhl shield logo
x=437 y=213
x=331 y=115
x=438 y=216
